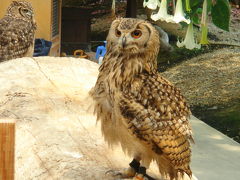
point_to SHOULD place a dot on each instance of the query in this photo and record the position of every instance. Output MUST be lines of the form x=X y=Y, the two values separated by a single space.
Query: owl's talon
x=126 y=173
x=113 y=172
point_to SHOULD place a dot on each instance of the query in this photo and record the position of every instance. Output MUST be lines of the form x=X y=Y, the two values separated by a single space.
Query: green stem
x=188 y=8
x=204 y=28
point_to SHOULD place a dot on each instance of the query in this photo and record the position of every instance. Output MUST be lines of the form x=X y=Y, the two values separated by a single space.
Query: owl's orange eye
x=118 y=33
x=136 y=34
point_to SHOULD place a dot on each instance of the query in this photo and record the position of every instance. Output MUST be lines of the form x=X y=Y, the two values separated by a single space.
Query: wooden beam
x=7 y=149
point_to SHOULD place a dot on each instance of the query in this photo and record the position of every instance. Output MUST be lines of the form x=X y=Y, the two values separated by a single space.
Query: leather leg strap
x=139 y=169
x=142 y=170
x=135 y=165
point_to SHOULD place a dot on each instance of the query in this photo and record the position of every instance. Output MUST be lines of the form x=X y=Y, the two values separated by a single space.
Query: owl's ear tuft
x=15 y=3
x=115 y=23
x=119 y=18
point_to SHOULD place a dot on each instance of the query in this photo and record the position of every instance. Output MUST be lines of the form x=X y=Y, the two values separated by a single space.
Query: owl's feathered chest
x=123 y=71
x=114 y=74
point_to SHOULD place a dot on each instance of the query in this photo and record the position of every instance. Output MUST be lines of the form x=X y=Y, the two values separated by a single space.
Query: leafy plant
x=192 y=12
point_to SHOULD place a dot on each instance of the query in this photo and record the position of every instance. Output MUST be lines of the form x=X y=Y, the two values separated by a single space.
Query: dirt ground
x=209 y=79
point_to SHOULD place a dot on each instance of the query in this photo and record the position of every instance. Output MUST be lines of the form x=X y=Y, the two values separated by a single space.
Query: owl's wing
x=16 y=36
x=156 y=112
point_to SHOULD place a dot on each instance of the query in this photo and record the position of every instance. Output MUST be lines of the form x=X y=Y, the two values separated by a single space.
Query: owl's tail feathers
x=169 y=172
x=166 y=169
x=194 y=177
x=187 y=177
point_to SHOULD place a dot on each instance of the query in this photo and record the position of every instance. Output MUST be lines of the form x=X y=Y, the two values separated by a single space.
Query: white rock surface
x=56 y=137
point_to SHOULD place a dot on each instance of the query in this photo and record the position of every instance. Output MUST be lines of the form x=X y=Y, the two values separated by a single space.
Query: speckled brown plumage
x=137 y=107
x=17 y=30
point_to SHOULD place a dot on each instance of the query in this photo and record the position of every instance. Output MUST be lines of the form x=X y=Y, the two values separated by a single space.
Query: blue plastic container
x=101 y=51
x=42 y=47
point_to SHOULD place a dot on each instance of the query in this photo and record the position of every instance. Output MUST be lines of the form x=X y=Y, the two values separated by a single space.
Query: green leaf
x=195 y=2
x=195 y=19
x=221 y=14
x=199 y=11
x=209 y=4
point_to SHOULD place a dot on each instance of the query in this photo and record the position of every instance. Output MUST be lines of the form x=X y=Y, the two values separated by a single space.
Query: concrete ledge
x=215 y=156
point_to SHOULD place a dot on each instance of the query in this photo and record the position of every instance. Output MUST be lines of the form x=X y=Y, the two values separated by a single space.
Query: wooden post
x=131 y=11
x=7 y=149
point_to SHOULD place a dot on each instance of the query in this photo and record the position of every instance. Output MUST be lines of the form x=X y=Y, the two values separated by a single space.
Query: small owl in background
x=137 y=107
x=17 y=29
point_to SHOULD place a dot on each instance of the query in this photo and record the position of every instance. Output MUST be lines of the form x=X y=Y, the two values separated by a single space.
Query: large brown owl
x=17 y=30
x=137 y=107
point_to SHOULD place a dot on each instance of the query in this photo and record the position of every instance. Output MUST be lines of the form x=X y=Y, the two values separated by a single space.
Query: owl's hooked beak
x=29 y=13
x=124 y=40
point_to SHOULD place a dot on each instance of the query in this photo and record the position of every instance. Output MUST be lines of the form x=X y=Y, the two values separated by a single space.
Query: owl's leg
x=126 y=173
